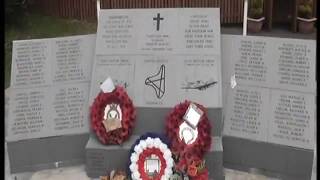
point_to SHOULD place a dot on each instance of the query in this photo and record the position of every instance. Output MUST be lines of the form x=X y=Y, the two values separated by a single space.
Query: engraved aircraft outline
x=199 y=85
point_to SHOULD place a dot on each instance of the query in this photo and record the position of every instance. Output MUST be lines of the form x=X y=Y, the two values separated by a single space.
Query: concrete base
x=153 y=120
x=44 y=153
x=284 y=162
x=101 y=159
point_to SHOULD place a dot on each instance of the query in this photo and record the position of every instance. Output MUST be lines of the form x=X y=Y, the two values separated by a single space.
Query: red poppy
x=203 y=175
x=188 y=153
x=119 y=135
x=192 y=170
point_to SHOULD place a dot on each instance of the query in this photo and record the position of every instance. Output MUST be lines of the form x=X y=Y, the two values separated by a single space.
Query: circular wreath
x=187 y=154
x=119 y=135
x=147 y=145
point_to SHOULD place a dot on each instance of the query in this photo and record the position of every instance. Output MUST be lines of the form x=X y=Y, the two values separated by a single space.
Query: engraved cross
x=158 y=18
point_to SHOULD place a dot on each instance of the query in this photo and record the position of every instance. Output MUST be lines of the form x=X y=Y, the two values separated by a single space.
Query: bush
x=305 y=9
x=255 y=9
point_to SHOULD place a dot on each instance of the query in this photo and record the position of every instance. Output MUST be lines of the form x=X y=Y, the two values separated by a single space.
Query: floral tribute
x=189 y=154
x=115 y=175
x=113 y=116
x=150 y=158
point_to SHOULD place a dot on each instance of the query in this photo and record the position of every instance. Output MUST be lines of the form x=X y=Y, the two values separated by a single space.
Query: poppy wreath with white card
x=112 y=114
x=150 y=158
x=189 y=130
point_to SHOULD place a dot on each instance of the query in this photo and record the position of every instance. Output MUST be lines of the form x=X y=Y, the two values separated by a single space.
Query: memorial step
x=285 y=162
x=44 y=153
x=101 y=159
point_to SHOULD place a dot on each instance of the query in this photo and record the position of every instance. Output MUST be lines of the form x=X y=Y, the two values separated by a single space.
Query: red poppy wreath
x=189 y=129
x=112 y=115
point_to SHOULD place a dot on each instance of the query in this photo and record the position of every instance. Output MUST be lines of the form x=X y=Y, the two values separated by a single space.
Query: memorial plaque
x=50 y=81
x=288 y=64
x=117 y=32
x=164 y=55
x=246 y=113
x=70 y=108
x=292 y=120
x=28 y=113
x=72 y=59
x=159 y=33
x=111 y=66
x=251 y=65
x=294 y=65
x=275 y=77
x=48 y=113
x=200 y=31
x=155 y=81
x=270 y=109
x=30 y=63
x=197 y=80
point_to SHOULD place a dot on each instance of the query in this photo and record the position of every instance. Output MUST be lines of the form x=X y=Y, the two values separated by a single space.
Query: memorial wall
x=162 y=57
x=182 y=47
x=270 y=109
x=259 y=92
x=48 y=104
x=50 y=86
x=274 y=96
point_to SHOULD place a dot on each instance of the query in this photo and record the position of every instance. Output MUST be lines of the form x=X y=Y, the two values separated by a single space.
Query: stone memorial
x=47 y=124
x=270 y=110
x=162 y=57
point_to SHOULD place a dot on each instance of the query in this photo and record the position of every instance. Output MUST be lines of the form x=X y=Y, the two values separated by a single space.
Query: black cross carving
x=158 y=18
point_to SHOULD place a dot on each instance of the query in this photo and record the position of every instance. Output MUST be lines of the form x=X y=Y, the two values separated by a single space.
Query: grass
x=36 y=26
